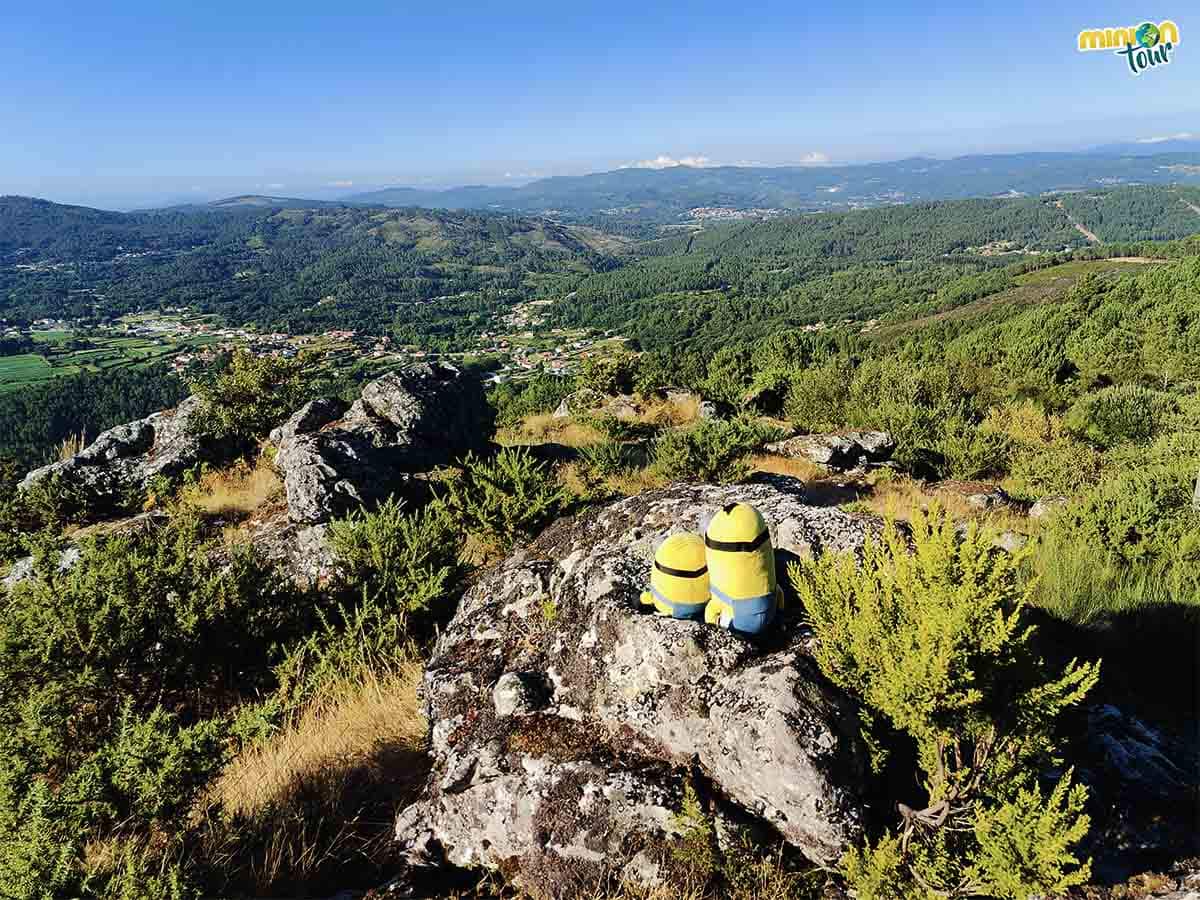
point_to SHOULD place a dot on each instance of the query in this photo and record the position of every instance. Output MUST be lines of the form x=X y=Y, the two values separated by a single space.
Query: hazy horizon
x=146 y=105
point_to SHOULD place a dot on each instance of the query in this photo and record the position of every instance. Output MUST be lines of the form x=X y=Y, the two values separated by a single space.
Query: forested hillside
x=416 y=274
x=298 y=270
x=753 y=278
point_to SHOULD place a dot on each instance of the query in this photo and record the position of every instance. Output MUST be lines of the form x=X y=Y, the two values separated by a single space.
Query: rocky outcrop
x=840 y=451
x=565 y=720
x=126 y=458
x=1046 y=506
x=335 y=460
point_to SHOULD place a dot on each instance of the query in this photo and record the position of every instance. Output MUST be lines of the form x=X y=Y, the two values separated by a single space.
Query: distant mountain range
x=661 y=196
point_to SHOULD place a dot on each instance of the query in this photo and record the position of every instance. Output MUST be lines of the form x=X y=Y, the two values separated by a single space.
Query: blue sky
x=123 y=103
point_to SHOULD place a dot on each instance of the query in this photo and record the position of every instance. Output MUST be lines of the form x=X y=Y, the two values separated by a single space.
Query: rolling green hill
x=297 y=269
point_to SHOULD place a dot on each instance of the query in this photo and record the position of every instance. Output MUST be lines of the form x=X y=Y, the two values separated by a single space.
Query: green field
x=104 y=354
x=24 y=369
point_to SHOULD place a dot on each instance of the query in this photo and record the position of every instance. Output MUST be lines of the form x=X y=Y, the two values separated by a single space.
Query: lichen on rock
x=565 y=720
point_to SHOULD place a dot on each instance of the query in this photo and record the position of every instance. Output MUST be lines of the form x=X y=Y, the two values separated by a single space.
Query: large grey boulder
x=126 y=458
x=404 y=423
x=838 y=450
x=565 y=720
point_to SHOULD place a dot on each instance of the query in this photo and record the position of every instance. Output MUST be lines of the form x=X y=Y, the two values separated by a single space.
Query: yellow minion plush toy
x=679 y=578
x=741 y=571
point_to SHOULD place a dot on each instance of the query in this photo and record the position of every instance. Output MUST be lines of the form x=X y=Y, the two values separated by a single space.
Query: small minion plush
x=679 y=578
x=741 y=564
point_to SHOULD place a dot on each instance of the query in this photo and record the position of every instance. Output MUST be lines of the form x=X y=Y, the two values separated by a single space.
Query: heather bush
x=816 y=398
x=504 y=498
x=402 y=561
x=248 y=397
x=609 y=373
x=933 y=641
x=118 y=666
x=709 y=451
x=1127 y=413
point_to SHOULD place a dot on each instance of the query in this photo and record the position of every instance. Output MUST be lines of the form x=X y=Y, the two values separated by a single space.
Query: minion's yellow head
x=737 y=523
x=679 y=577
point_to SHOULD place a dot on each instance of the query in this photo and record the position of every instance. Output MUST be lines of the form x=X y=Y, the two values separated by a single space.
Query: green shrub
x=604 y=459
x=503 y=498
x=609 y=373
x=931 y=640
x=362 y=639
x=1140 y=516
x=249 y=397
x=711 y=450
x=407 y=562
x=615 y=428
x=1127 y=413
x=816 y=398
x=1061 y=468
x=970 y=452
x=913 y=402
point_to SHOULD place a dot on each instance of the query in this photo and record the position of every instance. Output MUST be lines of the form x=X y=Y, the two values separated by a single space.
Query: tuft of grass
x=1074 y=585
x=323 y=789
x=671 y=413
x=235 y=492
x=773 y=464
x=543 y=428
x=71 y=445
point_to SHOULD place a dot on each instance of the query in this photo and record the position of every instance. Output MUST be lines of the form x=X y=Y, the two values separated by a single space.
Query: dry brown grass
x=325 y=789
x=636 y=481
x=71 y=445
x=671 y=413
x=897 y=498
x=545 y=429
x=235 y=492
x=774 y=464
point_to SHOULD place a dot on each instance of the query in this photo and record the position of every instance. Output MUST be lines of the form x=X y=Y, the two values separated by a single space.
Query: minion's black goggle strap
x=680 y=573
x=736 y=546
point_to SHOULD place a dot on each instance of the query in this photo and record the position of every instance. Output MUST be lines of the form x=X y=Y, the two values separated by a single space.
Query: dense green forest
x=36 y=419
x=893 y=263
x=298 y=270
x=435 y=277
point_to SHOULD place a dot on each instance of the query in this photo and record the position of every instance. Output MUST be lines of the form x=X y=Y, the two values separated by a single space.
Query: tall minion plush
x=679 y=578
x=741 y=571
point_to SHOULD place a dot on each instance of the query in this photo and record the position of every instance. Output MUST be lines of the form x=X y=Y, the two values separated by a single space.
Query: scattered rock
x=840 y=451
x=565 y=720
x=310 y=417
x=1011 y=541
x=981 y=495
x=1045 y=506
x=581 y=401
x=1145 y=784
x=706 y=409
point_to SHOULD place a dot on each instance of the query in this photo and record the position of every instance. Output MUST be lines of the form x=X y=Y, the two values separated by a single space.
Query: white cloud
x=339 y=184
x=815 y=158
x=276 y=187
x=1159 y=139
x=662 y=161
